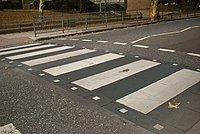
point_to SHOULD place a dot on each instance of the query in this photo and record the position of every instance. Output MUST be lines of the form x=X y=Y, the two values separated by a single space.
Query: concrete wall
x=138 y=4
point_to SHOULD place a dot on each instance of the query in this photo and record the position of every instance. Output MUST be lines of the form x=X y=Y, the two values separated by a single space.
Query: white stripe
x=113 y=75
x=186 y=29
x=85 y=40
x=55 y=71
x=148 y=98
x=140 y=39
x=161 y=34
x=119 y=43
x=26 y=49
x=193 y=54
x=73 y=39
x=102 y=41
x=57 y=57
x=166 y=50
x=62 y=38
x=20 y=56
x=22 y=46
x=141 y=46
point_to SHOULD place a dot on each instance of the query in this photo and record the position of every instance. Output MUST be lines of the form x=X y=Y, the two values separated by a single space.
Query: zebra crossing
x=136 y=83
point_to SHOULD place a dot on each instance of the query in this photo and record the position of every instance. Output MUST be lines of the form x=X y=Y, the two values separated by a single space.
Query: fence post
x=137 y=15
x=194 y=12
x=172 y=15
x=62 y=23
x=122 y=17
x=86 y=22
x=20 y=29
x=34 y=28
x=150 y=14
x=52 y=23
x=106 y=18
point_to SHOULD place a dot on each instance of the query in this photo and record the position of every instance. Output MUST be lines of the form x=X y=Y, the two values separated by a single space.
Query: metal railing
x=65 y=22
x=85 y=20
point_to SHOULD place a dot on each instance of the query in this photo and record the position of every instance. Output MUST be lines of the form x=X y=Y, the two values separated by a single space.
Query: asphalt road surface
x=146 y=77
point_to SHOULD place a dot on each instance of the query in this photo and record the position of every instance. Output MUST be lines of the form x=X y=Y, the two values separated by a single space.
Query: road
x=148 y=75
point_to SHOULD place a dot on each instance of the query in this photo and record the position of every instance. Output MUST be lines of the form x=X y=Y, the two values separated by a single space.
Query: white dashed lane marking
x=141 y=46
x=102 y=41
x=86 y=40
x=73 y=39
x=166 y=50
x=119 y=43
x=193 y=54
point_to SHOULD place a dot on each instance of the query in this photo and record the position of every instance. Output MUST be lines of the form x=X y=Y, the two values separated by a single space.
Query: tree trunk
x=1 y=5
x=155 y=10
x=21 y=3
x=41 y=8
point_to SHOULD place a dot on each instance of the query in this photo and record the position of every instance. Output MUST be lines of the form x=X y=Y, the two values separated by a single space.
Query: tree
x=41 y=8
x=155 y=10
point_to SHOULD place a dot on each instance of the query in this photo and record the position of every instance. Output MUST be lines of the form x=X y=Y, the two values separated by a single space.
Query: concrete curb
x=94 y=31
x=110 y=28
